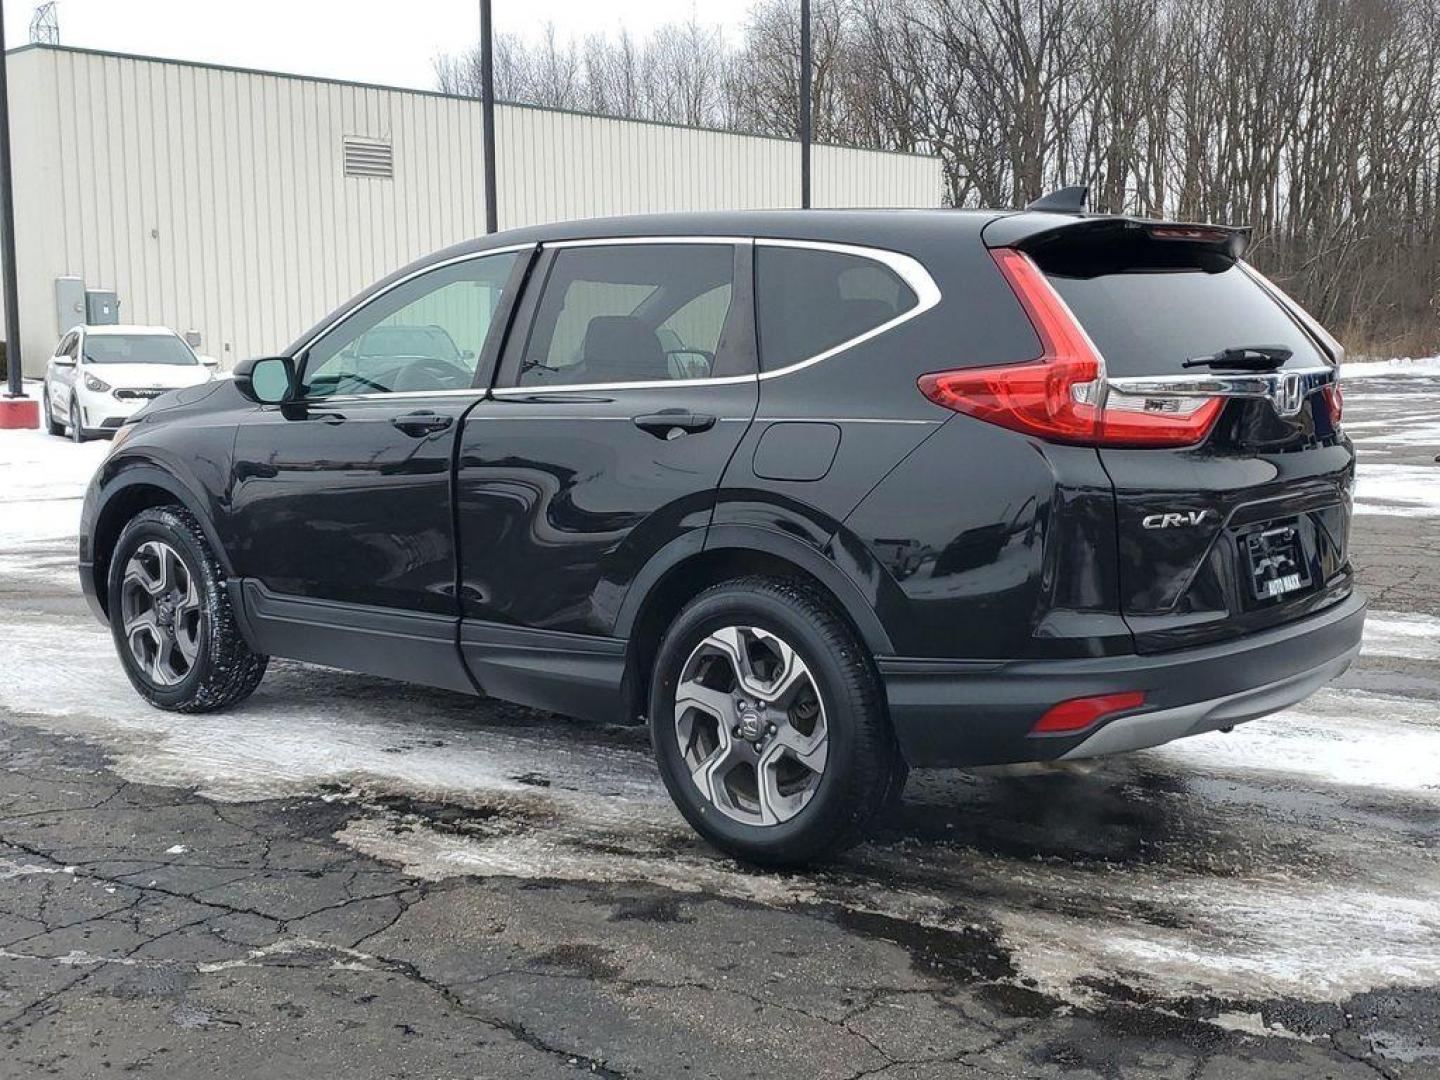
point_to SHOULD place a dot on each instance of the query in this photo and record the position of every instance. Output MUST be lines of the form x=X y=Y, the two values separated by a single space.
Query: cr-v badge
x=1174 y=520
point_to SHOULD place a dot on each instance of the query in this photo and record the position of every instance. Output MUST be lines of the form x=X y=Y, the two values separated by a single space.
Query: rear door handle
x=422 y=423
x=672 y=423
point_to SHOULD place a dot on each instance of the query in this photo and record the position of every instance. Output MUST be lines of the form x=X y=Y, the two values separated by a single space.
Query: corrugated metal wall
x=214 y=200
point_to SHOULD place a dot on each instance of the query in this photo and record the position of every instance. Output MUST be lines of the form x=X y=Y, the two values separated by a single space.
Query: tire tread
x=234 y=671
x=878 y=771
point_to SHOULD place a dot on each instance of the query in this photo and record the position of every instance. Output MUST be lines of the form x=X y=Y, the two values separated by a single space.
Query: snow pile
x=1400 y=365
x=42 y=481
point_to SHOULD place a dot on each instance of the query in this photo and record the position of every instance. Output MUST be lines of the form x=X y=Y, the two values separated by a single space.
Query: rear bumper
x=948 y=712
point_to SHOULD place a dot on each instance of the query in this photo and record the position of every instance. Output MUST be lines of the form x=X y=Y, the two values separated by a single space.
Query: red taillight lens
x=1079 y=713
x=1335 y=400
x=1058 y=395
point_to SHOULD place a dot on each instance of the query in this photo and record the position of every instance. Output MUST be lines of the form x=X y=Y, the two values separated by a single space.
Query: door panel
x=618 y=408
x=349 y=500
x=561 y=499
x=344 y=495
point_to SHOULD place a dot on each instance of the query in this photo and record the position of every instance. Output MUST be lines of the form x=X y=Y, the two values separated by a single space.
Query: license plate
x=1276 y=559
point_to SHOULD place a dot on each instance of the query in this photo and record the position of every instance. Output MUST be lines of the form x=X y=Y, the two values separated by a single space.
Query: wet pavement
x=350 y=876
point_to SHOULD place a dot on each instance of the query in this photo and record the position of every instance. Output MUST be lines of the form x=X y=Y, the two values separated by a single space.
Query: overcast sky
x=382 y=41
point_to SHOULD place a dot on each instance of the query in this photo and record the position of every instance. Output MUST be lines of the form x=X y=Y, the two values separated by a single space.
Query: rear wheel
x=769 y=724
x=52 y=426
x=171 y=618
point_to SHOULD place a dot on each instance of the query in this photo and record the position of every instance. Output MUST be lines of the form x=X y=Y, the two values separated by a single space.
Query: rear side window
x=1150 y=322
x=631 y=313
x=808 y=301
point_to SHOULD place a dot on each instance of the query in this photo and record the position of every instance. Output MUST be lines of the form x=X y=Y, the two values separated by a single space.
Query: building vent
x=369 y=157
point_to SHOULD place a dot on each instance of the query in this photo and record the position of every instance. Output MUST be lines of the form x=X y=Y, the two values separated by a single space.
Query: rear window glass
x=1149 y=323
x=810 y=300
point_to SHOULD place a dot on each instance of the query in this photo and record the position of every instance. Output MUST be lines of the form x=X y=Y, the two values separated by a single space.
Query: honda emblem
x=1289 y=394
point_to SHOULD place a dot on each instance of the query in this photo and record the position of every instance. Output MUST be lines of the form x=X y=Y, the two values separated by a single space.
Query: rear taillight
x=1061 y=395
x=1335 y=400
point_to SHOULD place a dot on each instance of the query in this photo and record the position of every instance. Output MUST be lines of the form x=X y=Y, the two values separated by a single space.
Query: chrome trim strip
x=615 y=241
x=652 y=384
x=1286 y=390
x=401 y=281
x=910 y=270
x=389 y=396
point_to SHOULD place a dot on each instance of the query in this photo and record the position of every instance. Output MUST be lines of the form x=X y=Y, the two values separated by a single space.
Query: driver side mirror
x=269 y=380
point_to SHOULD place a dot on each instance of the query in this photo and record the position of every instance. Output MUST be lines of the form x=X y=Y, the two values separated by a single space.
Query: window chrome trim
x=363 y=304
x=619 y=241
x=909 y=269
x=386 y=395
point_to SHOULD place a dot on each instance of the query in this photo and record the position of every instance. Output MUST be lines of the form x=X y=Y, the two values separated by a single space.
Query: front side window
x=426 y=334
x=810 y=300
x=631 y=313
x=138 y=349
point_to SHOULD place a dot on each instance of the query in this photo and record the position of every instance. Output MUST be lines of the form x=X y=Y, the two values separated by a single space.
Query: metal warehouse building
x=238 y=206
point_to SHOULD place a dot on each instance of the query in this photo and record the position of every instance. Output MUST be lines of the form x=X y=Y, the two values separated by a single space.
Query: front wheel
x=769 y=723
x=77 y=433
x=52 y=426
x=171 y=617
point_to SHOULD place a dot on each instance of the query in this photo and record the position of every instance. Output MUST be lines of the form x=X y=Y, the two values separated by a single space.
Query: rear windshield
x=137 y=349
x=1149 y=322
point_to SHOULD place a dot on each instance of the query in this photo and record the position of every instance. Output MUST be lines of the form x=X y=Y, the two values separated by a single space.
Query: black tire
x=225 y=671
x=863 y=771
x=77 y=433
x=52 y=426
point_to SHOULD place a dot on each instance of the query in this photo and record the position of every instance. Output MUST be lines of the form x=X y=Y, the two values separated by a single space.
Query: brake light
x=1080 y=713
x=1335 y=400
x=1061 y=395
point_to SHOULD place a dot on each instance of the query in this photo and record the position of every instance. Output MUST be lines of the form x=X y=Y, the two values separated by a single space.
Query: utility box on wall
x=102 y=307
x=69 y=304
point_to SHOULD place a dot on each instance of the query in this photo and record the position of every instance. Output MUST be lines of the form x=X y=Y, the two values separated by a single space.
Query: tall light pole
x=16 y=388
x=487 y=109
x=805 y=104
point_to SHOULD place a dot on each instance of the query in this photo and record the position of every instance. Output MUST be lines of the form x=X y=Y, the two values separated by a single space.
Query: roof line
x=237 y=70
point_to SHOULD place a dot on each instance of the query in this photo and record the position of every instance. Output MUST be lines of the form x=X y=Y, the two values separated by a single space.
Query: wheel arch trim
x=127 y=477
x=760 y=540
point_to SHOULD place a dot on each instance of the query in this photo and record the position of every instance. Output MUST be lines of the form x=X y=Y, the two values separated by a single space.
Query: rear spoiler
x=1035 y=230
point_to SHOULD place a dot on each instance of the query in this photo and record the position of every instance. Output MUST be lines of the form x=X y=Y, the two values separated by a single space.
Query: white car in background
x=99 y=375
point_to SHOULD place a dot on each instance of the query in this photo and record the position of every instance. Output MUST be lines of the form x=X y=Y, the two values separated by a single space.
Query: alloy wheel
x=751 y=725
x=160 y=612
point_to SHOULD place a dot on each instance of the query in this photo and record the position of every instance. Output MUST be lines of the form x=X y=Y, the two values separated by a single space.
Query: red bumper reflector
x=1079 y=713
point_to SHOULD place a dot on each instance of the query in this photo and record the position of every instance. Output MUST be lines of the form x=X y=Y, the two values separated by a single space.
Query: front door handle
x=422 y=423
x=672 y=423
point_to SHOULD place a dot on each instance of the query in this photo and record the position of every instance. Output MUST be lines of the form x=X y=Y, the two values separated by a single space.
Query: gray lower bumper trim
x=1154 y=728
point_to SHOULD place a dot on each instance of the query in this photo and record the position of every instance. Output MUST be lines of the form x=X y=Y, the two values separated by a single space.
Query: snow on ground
x=1226 y=864
x=1402 y=365
x=1407 y=490
x=42 y=479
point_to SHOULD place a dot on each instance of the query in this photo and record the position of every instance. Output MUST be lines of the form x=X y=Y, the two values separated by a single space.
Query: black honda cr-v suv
x=819 y=495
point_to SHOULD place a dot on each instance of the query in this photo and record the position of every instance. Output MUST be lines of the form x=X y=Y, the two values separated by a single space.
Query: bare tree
x=1316 y=122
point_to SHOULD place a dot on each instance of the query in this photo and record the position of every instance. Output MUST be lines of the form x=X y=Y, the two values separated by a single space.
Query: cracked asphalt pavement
x=350 y=877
